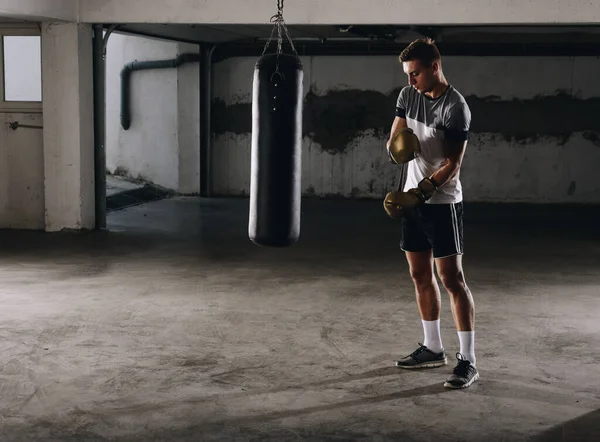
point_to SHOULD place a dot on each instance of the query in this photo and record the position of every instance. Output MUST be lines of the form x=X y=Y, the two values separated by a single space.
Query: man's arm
x=454 y=152
x=397 y=124
x=457 y=130
x=399 y=119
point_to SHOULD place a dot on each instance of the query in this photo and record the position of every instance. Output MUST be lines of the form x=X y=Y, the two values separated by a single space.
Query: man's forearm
x=446 y=172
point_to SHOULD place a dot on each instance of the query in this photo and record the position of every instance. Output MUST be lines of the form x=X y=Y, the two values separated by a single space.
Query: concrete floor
x=116 y=184
x=172 y=326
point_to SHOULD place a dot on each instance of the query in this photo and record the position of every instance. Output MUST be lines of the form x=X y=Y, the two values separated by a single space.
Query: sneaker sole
x=432 y=364
x=458 y=387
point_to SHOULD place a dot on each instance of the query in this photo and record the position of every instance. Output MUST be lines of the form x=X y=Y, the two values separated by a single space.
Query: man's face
x=422 y=78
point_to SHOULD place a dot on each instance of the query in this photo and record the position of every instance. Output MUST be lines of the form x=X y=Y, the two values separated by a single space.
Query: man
x=430 y=205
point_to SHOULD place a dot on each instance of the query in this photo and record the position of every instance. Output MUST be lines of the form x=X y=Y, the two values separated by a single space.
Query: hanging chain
x=280 y=26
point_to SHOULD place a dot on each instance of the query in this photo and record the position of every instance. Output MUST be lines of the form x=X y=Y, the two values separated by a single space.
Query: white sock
x=433 y=338
x=467 y=345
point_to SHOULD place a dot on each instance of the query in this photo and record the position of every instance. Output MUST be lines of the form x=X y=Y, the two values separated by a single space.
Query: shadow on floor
x=253 y=427
x=585 y=428
x=135 y=197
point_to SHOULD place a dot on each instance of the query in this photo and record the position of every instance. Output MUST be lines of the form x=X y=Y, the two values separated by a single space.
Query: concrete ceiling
x=452 y=34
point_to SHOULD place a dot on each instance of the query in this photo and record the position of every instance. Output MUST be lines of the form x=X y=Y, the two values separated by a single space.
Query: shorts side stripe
x=455 y=229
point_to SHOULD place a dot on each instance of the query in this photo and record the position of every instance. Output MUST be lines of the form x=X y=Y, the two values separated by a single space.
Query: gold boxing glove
x=404 y=146
x=397 y=203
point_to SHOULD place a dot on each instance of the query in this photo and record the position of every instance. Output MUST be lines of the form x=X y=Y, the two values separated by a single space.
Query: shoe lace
x=462 y=368
x=418 y=351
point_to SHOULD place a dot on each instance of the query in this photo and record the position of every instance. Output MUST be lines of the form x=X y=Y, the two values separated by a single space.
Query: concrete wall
x=68 y=106
x=188 y=129
x=21 y=173
x=22 y=150
x=536 y=137
x=341 y=11
x=162 y=144
x=47 y=176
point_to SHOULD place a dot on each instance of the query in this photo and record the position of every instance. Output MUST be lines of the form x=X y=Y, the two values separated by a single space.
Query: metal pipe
x=130 y=68
x=109 y=31
x=99 y=46
x=14 y=125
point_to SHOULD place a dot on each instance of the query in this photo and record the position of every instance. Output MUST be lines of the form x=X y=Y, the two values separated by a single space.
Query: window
x=22 y=68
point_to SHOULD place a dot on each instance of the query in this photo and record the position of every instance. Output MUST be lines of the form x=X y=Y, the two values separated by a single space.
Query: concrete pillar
x=188 y=101
x=67 y=67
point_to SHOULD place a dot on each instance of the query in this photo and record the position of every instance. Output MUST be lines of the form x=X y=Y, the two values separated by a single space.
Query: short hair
x=423 y=50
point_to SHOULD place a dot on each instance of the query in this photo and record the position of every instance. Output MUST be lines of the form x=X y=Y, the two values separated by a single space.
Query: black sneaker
x=422 y=357
x=464 y=374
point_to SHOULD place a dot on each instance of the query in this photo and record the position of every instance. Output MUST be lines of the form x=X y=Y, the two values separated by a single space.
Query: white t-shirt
x=433 y=121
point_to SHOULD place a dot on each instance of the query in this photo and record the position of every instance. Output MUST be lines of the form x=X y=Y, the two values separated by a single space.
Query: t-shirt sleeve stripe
x=456 y=135
x=401 y=104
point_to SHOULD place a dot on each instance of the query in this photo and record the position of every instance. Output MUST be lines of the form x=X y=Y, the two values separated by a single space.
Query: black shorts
x=434 y=226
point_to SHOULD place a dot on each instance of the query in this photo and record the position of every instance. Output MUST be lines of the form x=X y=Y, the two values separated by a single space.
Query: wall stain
x=235 y=118
x=339 y=117
x=594 y=137
x=524 y=121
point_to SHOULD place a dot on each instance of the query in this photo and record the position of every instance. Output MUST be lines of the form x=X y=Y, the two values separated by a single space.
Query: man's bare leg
x=428 y=297
x=431 y=354
x=426 y=286
x=452 y=276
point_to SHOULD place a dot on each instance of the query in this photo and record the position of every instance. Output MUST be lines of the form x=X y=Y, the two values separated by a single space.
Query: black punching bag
x=275 y=182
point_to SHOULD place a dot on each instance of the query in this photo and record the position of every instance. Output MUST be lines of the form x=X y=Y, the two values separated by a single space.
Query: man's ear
x=436 y=67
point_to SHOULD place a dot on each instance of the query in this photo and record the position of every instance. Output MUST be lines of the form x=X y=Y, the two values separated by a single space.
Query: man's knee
x=421 y=277
x=453 y=281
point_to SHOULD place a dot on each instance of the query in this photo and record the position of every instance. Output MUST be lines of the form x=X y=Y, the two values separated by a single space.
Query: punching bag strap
x=280 y=26
x=402 y=177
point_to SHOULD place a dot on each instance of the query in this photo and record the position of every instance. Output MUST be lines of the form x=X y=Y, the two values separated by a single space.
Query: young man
x=431 y=206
